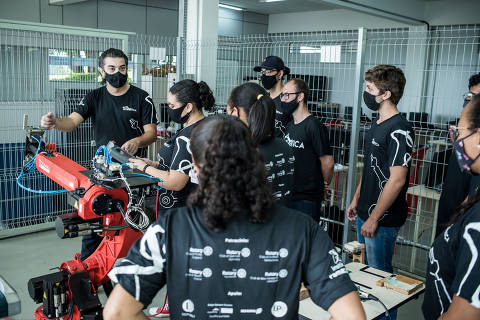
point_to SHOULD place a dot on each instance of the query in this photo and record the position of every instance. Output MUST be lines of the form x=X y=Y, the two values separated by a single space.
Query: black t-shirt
x=279 y=162
x=455 y=189
x=454 y=265
x=281 y=120
x=175 y=155
x=247 y=271
x=309 y=141
x=118 y=118
x=387 y=144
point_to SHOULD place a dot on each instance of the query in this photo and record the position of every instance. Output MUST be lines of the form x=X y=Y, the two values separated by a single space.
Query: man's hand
x=48 y=121
x=369 y=227
x=326 y=190
x=131 y=146
x=140 y=162
x=352 y=211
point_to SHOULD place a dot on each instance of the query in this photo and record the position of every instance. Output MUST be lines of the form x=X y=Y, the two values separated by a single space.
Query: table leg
x=415 y=232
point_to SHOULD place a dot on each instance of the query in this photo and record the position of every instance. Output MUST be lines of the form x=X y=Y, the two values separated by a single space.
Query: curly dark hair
x=232 y=177
x=197 y=93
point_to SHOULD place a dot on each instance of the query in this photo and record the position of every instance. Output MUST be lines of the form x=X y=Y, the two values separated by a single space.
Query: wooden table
x=365 y=278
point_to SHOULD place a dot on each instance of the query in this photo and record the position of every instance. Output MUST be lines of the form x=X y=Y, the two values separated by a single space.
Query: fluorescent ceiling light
x=271 y=0
x=229 y=7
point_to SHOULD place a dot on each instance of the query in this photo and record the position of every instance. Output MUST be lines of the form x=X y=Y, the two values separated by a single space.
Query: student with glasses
x=457 y=185
x=452 y=280
x=308 y=138
x=272 y=70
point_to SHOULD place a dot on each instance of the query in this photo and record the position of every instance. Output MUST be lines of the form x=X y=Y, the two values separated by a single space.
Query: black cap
x=272 y=62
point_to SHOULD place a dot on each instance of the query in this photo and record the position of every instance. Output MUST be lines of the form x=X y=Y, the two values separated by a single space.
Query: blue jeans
x=379 y=250
x=312 y=208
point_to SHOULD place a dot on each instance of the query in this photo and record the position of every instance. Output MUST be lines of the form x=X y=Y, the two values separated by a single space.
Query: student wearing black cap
x=272 y=72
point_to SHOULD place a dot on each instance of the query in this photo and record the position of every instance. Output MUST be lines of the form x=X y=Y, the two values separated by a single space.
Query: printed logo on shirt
x=279 y=309
x=188 y=306
x=199 y=274
x=238 y=240
x=338 y=267
x=270 y=276
x=375 y=143
x=252 y=311
x=198 y=253
x=219 y=310
x=269 y=165
x=294 y=143
x=234 y=293
x=127 y=108
x=280 y=162
x=274 y=256
x=81 y=103
x=234 y=273
x=235 y=255
x=291 y=159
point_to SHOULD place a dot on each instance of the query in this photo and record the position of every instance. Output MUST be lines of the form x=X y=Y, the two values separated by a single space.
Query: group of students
x=231 y=240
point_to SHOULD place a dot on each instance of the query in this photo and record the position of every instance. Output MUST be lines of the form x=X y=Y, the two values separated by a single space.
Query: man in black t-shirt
x=120 y=112
x=308 y=138
x=380 y=199
x=272 y=72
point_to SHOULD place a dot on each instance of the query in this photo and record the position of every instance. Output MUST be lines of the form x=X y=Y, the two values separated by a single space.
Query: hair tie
x=259 y=96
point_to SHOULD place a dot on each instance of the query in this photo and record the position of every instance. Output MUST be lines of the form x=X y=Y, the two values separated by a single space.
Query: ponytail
x=189 y=91
x=261 y=120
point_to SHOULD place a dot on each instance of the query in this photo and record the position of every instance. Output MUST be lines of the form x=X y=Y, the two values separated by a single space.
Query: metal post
x=357 y=108
x=179 y=58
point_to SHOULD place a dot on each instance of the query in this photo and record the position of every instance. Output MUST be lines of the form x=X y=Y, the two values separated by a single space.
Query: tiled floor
x=27 y=256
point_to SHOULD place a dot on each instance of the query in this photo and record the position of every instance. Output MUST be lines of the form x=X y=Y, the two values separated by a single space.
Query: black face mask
x=465 y=102
x=370 y=102
x=287 y=108
x=176 y=115
x=268 y=82
x=117 y=79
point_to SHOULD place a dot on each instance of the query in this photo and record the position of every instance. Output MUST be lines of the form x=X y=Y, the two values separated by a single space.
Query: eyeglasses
x=268 y=72
x=287 y=94
x=454 y=132
x=468 y=96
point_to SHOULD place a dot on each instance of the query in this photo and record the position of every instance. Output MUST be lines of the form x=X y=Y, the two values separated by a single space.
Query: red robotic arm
x=71 y=293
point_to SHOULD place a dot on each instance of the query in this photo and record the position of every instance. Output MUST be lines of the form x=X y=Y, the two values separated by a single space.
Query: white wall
x=452 y=12
x=339 y=19
x=233 y=23
x=140 y=16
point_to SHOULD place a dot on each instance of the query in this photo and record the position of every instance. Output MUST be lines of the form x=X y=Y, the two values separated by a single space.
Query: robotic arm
x=108 y=200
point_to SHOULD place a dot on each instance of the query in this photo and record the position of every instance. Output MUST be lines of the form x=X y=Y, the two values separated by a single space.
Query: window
x=71 y=65
x=330 y=53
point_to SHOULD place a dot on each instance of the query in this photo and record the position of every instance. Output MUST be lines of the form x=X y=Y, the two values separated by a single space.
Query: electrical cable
x=368 y=296
x=30 y=168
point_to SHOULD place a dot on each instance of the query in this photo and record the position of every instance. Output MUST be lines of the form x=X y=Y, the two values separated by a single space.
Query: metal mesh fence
x=43 y=71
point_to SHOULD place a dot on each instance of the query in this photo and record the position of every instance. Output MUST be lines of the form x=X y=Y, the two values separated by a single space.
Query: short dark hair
x=259 y=107
x=232 y=180
x=197 y=93
x=301 y=86
x=474 y=80
x=387 y=78
x=112 y=53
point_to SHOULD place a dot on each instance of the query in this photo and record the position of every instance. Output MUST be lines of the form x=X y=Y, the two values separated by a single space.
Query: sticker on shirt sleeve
x=279 y=309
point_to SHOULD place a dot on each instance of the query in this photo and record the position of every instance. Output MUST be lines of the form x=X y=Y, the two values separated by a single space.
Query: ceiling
x=281 y=6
